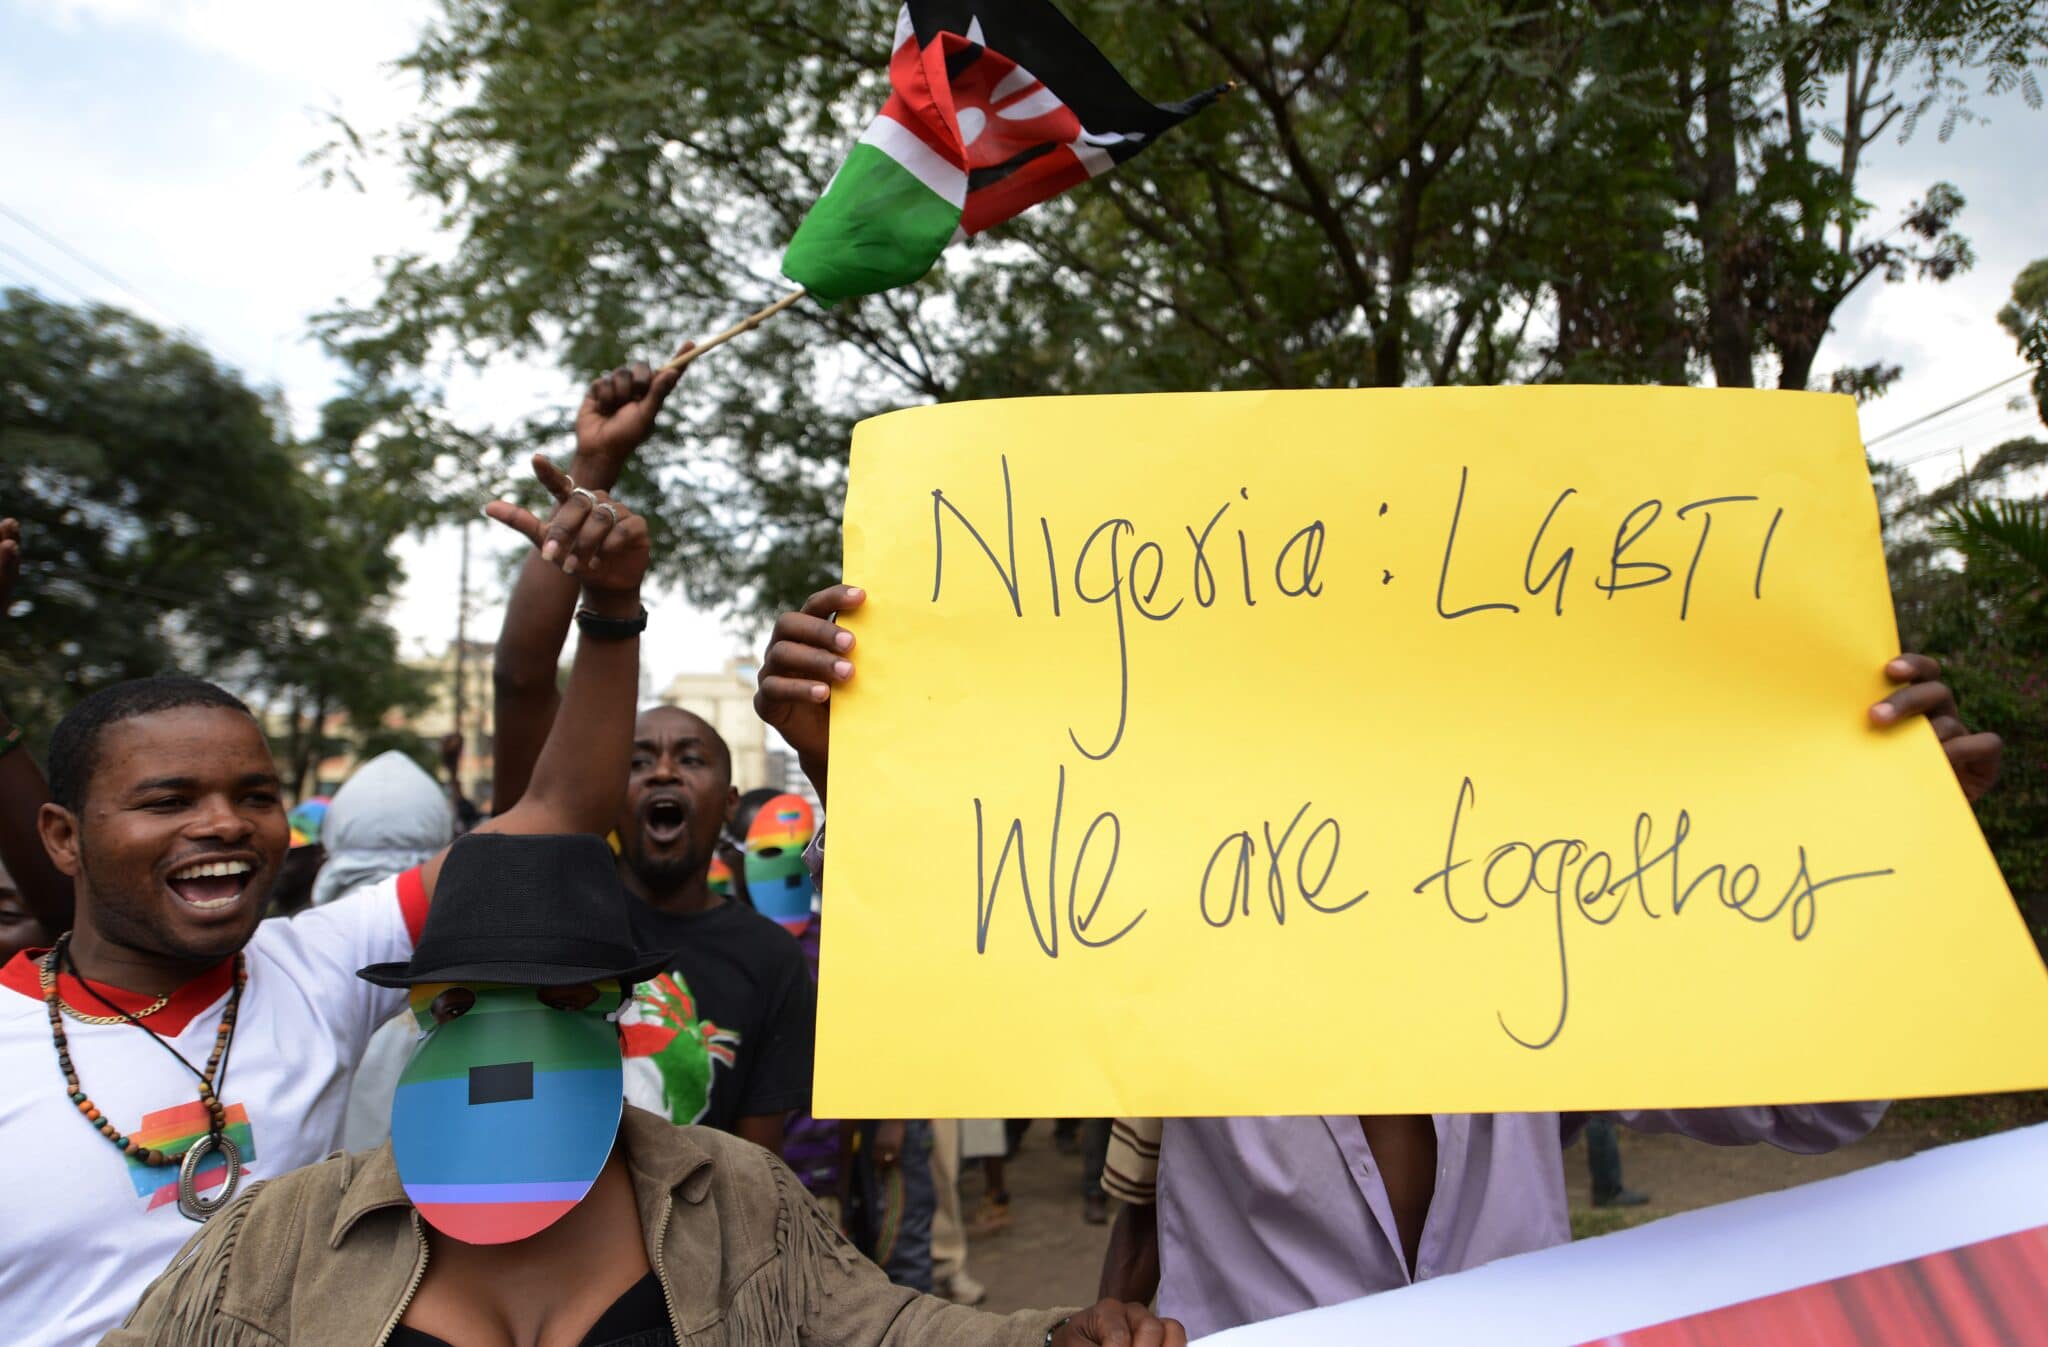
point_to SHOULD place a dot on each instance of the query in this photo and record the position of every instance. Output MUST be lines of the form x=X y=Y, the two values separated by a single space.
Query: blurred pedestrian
x=387 y=818
x=950 y=1277
x=1603 y=1163
x=19 y=929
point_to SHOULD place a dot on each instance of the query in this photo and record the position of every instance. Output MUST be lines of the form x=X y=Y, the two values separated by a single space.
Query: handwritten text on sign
x=1339 y=752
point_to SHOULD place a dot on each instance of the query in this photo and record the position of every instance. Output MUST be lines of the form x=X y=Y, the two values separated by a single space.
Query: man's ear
x=59 y=829
x=732 y=804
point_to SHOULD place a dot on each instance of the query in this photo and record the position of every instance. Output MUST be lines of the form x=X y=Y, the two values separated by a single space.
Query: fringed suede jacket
x=330 y=1255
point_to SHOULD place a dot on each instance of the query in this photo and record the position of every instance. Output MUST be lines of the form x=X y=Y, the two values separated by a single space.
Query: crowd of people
x=421 y=1075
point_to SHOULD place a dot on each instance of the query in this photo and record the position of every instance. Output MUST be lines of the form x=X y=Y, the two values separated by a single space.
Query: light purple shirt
x=1260 y=1217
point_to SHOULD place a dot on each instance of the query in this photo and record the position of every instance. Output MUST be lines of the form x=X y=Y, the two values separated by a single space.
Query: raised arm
x=579 y=778
x=616 y=417
x=23 y=791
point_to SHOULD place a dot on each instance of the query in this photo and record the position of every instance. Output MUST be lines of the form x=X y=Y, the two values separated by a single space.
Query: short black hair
x=724 y=749
x=75 y=747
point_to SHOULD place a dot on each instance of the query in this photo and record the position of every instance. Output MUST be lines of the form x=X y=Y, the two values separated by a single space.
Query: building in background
x=419 y=734
x=462 y=691
x=725 y=699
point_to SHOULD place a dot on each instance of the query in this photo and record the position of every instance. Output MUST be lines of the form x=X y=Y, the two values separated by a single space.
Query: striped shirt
x=1131 y=1171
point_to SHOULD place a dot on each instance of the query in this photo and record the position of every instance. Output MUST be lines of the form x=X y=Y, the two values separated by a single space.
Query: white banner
x=1704 y=1260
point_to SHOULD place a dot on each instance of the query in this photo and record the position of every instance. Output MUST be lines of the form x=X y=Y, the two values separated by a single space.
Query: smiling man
x=173 y=1046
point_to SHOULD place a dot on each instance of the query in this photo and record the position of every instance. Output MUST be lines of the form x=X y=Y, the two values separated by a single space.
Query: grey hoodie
x=388 y=817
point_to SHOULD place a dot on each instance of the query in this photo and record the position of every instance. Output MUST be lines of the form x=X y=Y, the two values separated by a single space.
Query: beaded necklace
x=190 y=1204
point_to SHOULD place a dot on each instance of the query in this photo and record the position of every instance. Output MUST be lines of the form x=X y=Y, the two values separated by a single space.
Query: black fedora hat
x=540 y=911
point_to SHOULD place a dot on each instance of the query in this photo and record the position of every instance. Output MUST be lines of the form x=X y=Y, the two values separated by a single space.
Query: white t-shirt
x=84 y=1230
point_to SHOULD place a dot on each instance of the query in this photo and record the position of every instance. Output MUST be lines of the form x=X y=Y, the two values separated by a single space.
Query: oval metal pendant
x=190 y=1204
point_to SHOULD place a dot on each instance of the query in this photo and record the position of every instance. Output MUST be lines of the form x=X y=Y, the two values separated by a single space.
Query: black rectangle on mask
x=501 y=1083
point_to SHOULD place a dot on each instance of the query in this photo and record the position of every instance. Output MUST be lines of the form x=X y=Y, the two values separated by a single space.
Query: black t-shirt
x=729 y=1028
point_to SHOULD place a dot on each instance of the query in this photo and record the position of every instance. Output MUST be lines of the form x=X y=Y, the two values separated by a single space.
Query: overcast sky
x=152 y=155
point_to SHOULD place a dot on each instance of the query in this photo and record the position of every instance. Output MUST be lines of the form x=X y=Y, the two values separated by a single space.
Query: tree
x=1402 y=191
x=2026 y=318
x=1969 y=570
x=169 y=522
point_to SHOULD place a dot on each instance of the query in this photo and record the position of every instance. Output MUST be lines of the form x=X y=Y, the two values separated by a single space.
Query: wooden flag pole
x=744 y=325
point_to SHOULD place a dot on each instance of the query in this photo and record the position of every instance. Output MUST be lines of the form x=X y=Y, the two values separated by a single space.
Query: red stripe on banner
x=1992 y=1294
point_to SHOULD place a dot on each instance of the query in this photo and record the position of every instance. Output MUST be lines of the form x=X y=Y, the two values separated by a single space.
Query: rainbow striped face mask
x=510 y=1105
x=777 y=879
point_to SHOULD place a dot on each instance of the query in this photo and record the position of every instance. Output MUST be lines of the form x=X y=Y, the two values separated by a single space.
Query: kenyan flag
x=995 y=106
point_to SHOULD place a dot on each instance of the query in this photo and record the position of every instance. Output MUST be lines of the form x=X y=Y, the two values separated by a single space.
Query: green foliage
x=1457 y=191
x=2026 y=318
x=169 y=523
x=2004 y=545
x=1987 y=619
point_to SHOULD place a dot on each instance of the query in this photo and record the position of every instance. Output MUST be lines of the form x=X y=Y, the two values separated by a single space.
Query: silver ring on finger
x=587 y=494
x=610 y=514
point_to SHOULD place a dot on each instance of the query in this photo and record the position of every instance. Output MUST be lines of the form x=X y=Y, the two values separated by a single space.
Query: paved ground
x=1049 y=1256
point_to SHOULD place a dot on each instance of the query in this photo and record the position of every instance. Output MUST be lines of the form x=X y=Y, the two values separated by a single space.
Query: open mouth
x=663 y=820
x=211 y=886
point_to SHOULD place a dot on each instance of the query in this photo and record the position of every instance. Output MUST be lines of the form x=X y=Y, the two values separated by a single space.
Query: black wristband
x=1054 y=1331
x=598 y=627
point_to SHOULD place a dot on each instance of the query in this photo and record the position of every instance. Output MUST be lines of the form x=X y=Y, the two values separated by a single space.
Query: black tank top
x=639 y=1318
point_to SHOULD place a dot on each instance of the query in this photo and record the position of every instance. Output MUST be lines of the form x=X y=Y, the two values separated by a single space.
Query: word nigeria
x=1228 y=561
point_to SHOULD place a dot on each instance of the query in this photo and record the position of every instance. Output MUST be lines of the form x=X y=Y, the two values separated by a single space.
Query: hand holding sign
x=808 y=655
x=1976 y=757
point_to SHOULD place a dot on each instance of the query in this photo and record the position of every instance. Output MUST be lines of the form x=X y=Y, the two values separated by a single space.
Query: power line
x=46 y=273
x=1944 y=449
x=1943 y=411
x=17 y=278
x=111 y=278
x=1956 y=423
x=75 y=255
x=1931 y=454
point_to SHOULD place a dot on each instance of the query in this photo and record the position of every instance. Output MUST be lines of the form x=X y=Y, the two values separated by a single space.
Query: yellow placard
x=1463 y=750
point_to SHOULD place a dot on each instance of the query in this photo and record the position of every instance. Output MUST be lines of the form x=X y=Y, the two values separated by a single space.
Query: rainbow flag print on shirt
x=171 y=1130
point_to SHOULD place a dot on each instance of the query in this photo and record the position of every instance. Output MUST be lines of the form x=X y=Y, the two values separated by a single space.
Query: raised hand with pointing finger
x=589 y=535
x=618 y=413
